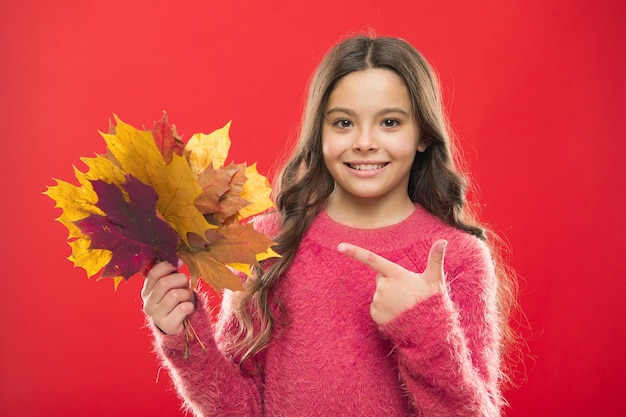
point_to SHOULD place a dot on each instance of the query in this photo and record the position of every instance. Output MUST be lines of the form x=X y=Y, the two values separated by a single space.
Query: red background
x=535 y=90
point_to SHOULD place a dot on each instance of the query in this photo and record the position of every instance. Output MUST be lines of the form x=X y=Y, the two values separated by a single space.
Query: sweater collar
x=329 y=233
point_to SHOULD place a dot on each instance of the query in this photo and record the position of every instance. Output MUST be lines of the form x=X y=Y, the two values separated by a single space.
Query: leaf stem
x=190 y=333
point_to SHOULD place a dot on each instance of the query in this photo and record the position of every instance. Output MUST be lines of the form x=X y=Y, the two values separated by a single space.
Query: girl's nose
x=365 y=141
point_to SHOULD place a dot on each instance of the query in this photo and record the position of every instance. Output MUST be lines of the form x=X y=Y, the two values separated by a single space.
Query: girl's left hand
x=398 y=289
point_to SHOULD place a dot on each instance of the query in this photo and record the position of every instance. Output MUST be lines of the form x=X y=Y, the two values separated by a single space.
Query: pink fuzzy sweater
x=439 y=358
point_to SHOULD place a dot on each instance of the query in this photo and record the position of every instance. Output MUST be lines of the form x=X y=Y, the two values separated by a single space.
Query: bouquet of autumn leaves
x=151 y=197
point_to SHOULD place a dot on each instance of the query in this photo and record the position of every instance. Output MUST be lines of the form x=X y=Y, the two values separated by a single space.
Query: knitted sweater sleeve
x=208 y=381
x=447 y=345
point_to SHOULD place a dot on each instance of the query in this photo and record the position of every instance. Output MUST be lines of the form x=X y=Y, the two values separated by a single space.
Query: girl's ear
x=424 y=143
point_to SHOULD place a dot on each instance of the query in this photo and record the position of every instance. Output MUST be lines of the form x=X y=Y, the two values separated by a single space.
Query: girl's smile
x=366 y=169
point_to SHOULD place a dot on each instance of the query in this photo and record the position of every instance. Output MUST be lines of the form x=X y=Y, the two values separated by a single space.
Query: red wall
x=535 y=91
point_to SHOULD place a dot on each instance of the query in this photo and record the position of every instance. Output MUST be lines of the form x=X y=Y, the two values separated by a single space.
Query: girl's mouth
x=366 y=167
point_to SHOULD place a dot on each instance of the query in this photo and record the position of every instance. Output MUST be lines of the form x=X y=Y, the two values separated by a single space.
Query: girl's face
x=370 y=137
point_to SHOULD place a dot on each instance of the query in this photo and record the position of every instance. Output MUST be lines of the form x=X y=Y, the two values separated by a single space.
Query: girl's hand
x=398 y=289
x=167 y=299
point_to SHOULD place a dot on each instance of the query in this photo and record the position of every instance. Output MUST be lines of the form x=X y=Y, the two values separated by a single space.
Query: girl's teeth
x=367 y=167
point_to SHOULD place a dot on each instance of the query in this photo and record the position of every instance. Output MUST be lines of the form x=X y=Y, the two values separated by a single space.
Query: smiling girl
x=386 y=300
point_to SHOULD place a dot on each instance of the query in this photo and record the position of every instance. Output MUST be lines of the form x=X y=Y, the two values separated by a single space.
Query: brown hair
x=305 y=183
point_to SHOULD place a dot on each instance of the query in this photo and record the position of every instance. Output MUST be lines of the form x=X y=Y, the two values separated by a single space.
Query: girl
x=386 y=300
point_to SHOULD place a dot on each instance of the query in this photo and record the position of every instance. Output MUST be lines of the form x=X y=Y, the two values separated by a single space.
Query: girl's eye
x=390 y=123
x=343 y=123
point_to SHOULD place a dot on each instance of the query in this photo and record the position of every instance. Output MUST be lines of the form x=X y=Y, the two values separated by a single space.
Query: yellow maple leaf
x=76 y=202
x=91 y=260
x=256 y=190
x=175 y=183
x=203 y=150
x=101 y=168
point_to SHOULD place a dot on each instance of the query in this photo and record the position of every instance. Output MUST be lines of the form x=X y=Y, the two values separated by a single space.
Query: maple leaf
x=231 y=202
x=214 y=183
x=248 y=193
x=76 y=202
x=222 y=199
x=166 y=139
x=208 y=150
x=91 y=260
x=241 y=244
x=257 y=191
x=239 y=247
x=202 y=265
x=102 y=168
x=175 y=184
x=131 y=230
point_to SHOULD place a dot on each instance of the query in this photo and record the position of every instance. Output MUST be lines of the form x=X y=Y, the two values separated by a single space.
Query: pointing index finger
x=381 y=265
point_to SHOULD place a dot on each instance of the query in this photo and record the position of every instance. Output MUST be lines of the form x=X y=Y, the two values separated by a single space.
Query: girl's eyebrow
x=339 y=110
x=381 y=112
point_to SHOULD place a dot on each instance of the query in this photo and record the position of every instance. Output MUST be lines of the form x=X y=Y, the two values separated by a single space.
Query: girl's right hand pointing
x=398 y=289
x=167 y=299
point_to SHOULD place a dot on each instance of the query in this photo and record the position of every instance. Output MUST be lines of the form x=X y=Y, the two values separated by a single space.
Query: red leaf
x=131 y=229
x=166 y=139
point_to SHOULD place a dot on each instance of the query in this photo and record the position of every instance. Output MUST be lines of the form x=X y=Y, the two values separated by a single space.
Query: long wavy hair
x=304 y=183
